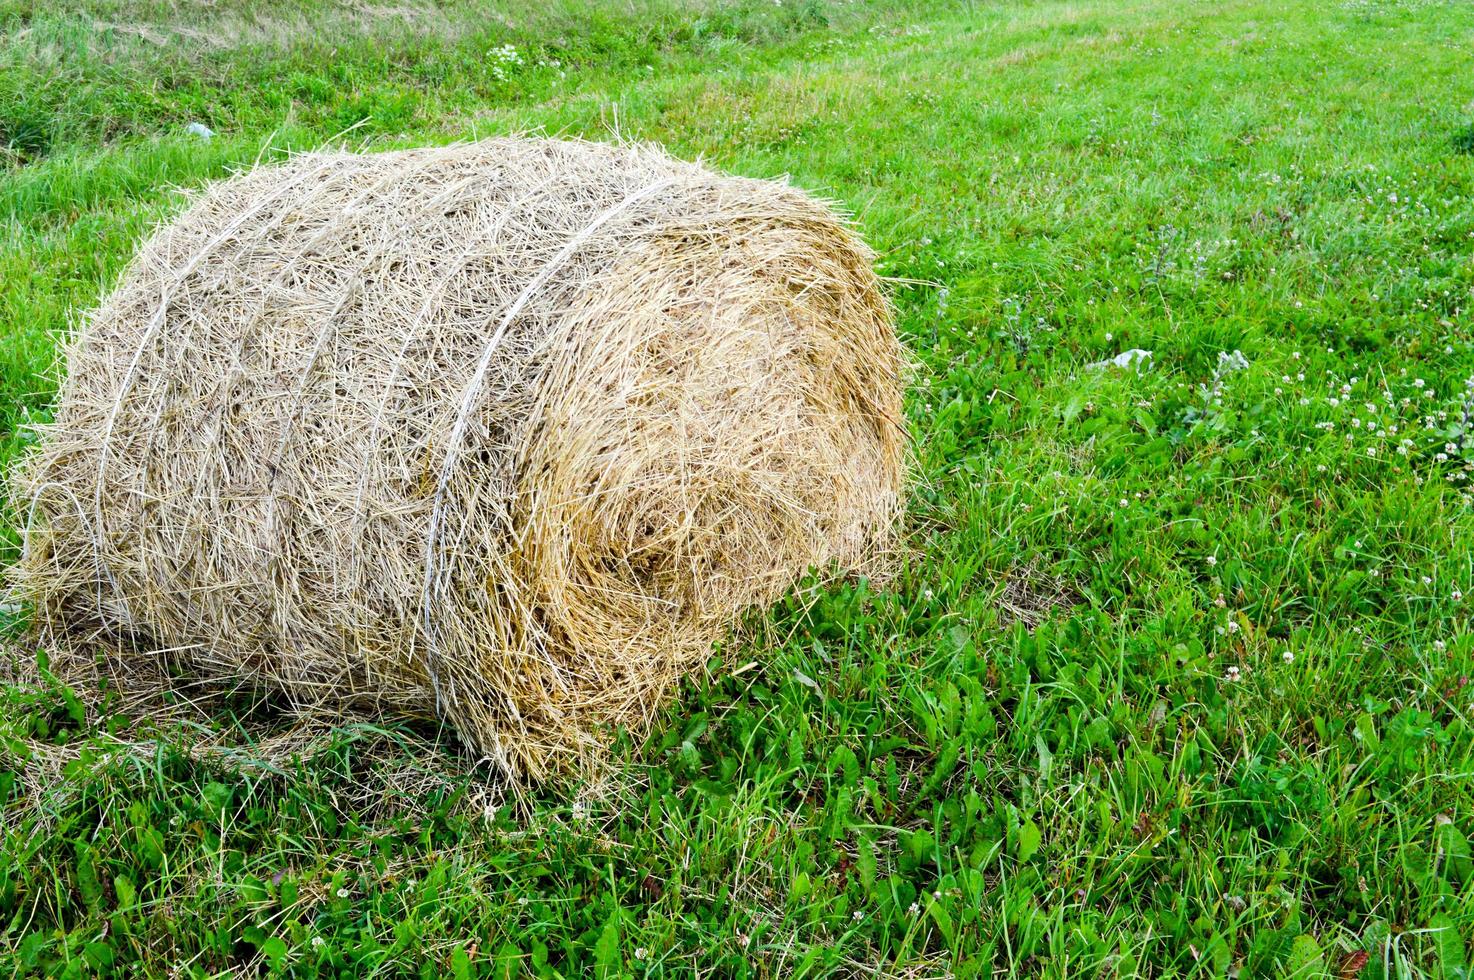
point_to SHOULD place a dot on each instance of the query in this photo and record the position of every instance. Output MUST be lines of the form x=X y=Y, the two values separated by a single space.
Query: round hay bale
x=508 y=432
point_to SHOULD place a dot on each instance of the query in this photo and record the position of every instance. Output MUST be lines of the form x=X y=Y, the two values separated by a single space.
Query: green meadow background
x=1175 y=678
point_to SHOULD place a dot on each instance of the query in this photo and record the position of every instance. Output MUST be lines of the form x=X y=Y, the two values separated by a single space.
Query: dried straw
x=508 y=432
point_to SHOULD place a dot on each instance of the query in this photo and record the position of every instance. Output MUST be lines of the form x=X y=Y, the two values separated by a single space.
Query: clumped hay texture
x=507 y=432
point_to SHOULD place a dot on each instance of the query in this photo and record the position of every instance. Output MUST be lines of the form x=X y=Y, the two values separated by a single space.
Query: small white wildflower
x=914 y=908
x=343 y=893
x=318 y=942
x=1287 y=657
x=1440 y=646
x=1212 y=560
x=1233 y=627
x=1457 y=595
x=641 y=952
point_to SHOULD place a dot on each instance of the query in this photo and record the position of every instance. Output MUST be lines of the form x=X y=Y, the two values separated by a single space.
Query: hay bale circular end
x=508 y=432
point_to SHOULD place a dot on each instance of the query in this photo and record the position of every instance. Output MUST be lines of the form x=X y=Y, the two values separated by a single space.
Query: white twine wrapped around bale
x=508 y=432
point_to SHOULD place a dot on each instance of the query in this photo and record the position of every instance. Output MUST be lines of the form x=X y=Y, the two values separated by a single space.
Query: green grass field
x=1175 y=679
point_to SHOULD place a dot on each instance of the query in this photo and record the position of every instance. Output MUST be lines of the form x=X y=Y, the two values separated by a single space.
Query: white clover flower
x=343 y=893
x=1440 y=646
x=1287 y=657
x=1212 y=560
x=318 y=942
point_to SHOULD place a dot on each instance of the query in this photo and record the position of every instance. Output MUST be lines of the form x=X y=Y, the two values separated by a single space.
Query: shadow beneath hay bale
x=71 y=715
